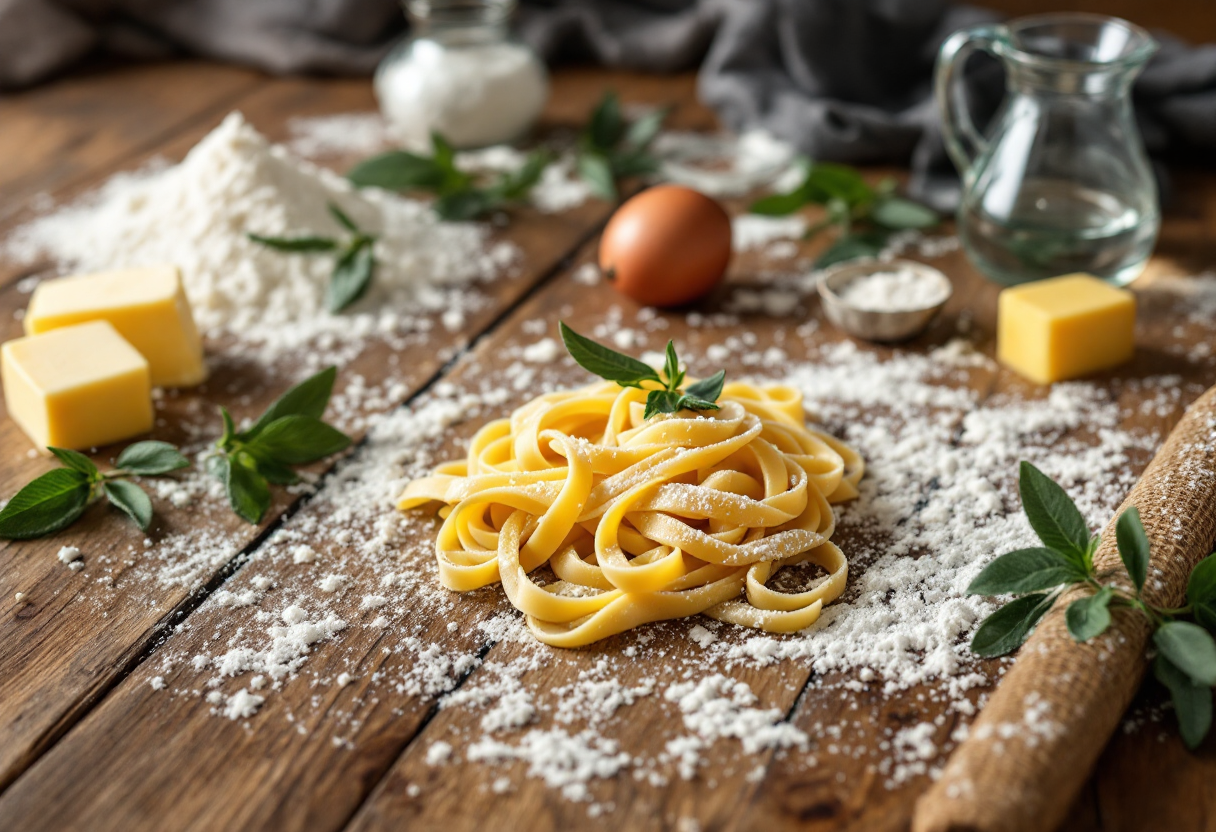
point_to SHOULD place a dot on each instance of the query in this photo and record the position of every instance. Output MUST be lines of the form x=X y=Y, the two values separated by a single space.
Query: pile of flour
x=197 y=214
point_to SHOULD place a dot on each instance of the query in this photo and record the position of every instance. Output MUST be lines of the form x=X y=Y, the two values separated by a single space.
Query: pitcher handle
x=963 y=141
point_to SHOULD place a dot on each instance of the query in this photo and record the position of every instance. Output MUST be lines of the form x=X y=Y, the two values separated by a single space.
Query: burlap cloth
x=1036 y=742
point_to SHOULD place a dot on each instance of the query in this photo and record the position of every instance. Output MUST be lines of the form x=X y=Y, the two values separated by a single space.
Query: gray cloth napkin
x=844 y=80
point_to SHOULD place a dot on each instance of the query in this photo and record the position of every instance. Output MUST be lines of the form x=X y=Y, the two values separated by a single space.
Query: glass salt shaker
x=1060 y=183
x=461 y=74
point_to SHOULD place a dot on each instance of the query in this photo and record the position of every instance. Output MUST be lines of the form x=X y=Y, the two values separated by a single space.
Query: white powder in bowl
x=904 y=290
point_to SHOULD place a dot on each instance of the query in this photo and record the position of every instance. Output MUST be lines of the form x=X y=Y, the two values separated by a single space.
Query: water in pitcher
x=1056 y=227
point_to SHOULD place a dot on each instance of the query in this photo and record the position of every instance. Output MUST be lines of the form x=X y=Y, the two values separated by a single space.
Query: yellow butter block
x=77 y=387
x=147 y=306
x=1065 y=327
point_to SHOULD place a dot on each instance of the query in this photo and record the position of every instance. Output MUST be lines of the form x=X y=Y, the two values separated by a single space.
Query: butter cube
x=147 y=306
x=1065 y=327
x=77 y=387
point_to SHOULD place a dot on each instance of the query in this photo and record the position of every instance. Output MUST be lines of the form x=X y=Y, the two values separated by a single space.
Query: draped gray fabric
x=847 y=80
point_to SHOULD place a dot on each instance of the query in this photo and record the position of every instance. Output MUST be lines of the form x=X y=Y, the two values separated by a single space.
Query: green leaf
x=1025 y=570
x=444 y=154
x=625 y=163
x=661 y=401
x=1190 y=647
x=1201 y=592
x=51 y=502
x=707 y=389
x=597 y=173
x=151 y=458
x=469 y=204
x=606 y=363
x=1133 y=546
x=352 y=275
x=277 y=473
x=693 y=403
x=826 y=181
x=779 y=205
x=1192 y=701
x=131 y=499
x=308 y=398
x=898 y=214
x=606 y=126
x=1052 y=514
x=398 y=170
x=296 y=440
x=1089 y=617
x=643 y=131
x=343 y=220
x=1094 y=543
x=671 y=369
x=518 y=184
x=851 y=247
x=299 y=245
x=76 y=461
x=248 y=492
x=229 y=428
x=1006 y=629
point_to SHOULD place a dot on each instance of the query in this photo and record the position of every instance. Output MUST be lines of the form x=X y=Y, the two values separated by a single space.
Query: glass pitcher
x=1060 y=182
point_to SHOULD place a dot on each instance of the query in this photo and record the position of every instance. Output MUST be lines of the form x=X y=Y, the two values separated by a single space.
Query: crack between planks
x=167 y=626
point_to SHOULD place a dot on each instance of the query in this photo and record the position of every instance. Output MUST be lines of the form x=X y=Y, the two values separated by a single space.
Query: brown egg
x=667 y=246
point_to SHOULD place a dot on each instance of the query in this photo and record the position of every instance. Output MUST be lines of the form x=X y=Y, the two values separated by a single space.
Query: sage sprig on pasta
x=1186 y=650
x=626 y=371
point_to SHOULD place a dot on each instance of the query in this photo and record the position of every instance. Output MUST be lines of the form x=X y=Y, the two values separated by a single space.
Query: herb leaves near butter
x=611 y=148
x=865 y=216
x=59 y=497
x=626 y=371
x=458 y=194
x=289 y=433
x=1186 y=651
x=354 y=268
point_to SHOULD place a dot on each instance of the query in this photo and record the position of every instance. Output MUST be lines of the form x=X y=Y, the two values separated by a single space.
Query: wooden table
x=87 y=742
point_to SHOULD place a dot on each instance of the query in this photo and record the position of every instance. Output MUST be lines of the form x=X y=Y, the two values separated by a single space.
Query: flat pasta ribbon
x=643 y=520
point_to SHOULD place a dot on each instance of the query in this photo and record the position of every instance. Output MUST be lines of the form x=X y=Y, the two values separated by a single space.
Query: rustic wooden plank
x=61 y=637
x=74 y=129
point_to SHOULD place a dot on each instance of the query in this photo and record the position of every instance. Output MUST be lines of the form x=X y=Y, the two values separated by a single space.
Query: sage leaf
x=693 y=403
x=851 y=247
x=606 y=126
x=779 y=205
x=518 y=184
x=707 y=389
x=899 y=214
x=352 y=275
x=49 y=503
x=1089 y=617
x=643 y=131
x=248 y=492
x=151 y=458
x=661 y=401
x=460 y=206
x=229 y=428
x=1052 y=514
x=398 y=170
x=342 y=217
x=826 y=181
x=671 y=369
x=1201 y=592
x=1133 y=546
x=632 y=163
x=299 y=245
x=595 y=170
x=276 y=472
x=606 y=363
x=1192 y=701
x=308 y=398
x=131 y=499
x=1190 y=647
x=76 y=461
x=297 y=440
x=1006 y=629
x=1025 y=570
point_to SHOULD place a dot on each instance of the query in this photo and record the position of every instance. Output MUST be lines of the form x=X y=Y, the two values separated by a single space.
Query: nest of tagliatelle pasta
x=645 y=519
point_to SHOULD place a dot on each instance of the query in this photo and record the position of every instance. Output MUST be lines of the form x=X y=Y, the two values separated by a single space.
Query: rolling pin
x=1033 y=746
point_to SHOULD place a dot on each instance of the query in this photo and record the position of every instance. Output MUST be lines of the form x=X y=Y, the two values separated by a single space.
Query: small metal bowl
x=873 y=325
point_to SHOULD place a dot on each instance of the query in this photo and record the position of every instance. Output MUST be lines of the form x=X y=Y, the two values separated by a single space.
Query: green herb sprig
x=459 y=197
x=59 y=497
x=1186 y=651
x=289 y=433
x=610 y=148
x=626 y=371
x=354 y=268
x=865 y=216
